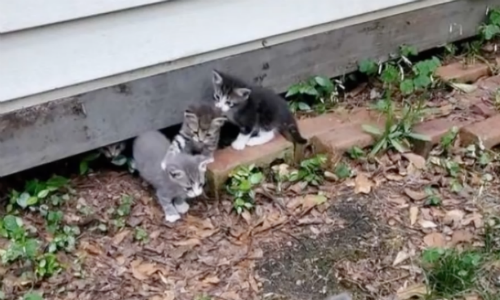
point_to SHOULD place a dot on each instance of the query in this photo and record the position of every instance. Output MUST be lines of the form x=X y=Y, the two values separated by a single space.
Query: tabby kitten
x=113 y=150
x=200 y=131
x=258 y=112
x=175 y=176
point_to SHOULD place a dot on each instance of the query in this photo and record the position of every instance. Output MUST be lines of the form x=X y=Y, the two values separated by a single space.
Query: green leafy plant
x=47 y=265
x=433 y=198
x=65 y=239
x=21 y=246
x=450 y=272
x=32 y=296
x=343 y=171
x=368 y=66
x=398 y=132
x=491 y=28
x=141 y=235
x=321 y=89
x=122 y=211
x=35 y=191
x=448 y=139
x=84 y=163
x=356 y=152
x=240 y=185
x=310 y=170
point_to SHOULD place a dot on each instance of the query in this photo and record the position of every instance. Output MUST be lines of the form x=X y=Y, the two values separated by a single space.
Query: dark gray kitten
x=175 y=176
x=200 y=131
x=258 y=112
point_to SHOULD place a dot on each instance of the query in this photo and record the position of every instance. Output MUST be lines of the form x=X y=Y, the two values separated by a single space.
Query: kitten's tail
x=291 y=132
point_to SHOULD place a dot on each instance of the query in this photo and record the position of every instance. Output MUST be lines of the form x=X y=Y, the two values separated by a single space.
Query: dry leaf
x=362 y=184
x=435 y=240
x=211 y=280
x=427 y=224
x=401 y=257
x=417 y=160
x=417 y=290
x=413 y=214
x=188 y=242
x=118 y=238
x=476 y=218
x=461 y=236
x=311 y=200
x=453 y=217
x=142 y=271
x=415 y=195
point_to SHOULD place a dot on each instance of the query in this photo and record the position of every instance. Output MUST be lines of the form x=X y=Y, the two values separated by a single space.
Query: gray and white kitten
x=113 y=150
x=200 y=131
x=258 y=112
x=175 y=176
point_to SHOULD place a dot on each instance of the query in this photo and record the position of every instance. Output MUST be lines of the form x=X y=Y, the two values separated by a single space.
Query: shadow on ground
x=305 y=267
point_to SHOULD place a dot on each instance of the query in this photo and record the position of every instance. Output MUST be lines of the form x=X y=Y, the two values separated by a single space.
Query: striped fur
x=200 y=131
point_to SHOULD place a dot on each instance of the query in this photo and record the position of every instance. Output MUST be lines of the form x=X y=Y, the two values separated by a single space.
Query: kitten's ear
x=243 y=92
x=190 y=116
x=216 y=78
x=164 y=162
x=218 y=122
x=204 y=161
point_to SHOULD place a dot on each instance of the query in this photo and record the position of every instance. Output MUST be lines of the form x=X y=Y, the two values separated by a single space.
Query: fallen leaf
x=417 y=290
x=120 y=236
x=476 y=218
x=91 y=249
x=398 y=200
x=142 y=271
x=393 y=177
x=472 y=297
x=362 y=184
x=248 y=218
x=188 y=242
x=312 y=200
x=466 y=88
x=400 y=257
x=427 y=224
x=211 y=279
x=413 y=214
x=417 y=160
x=435 y=240
x=461 y=236
x=453 y=217
x=415 y=195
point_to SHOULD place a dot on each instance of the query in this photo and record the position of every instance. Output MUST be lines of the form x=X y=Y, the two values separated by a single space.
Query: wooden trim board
x=44 y=133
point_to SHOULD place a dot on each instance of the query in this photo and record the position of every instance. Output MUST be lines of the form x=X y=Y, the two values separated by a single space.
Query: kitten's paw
x=182 y=208
x=172 y=218
x=255 y=141
x=238 y=145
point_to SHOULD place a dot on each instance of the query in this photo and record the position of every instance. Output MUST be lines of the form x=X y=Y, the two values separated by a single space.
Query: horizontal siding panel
x=71 y=53
x=23 y=14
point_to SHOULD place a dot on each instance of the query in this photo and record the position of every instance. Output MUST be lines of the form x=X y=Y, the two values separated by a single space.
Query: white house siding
x=40 y=64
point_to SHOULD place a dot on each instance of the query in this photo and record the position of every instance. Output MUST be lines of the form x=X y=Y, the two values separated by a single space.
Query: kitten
x=175 y=176
x=113 y=150
x=200 y=131
x=258 y=112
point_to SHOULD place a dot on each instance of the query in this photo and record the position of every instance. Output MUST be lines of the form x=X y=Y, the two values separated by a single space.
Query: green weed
x=491 y=28
x=320 y=89
x=240 y=185
x=310 y=170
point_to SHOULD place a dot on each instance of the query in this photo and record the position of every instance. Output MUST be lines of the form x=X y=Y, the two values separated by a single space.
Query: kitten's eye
x=189 y=189
x=216 y=97
x=230 y=104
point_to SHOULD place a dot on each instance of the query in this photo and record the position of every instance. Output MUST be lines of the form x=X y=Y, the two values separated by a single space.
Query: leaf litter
x=363 y=234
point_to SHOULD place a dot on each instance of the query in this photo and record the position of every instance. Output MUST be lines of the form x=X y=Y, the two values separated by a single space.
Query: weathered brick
x=311 y=127
x=459 y=72
x=483 y=109
x=490 y=84
x=486 y=131
x=227 y=159
x=350 y=134
x=435 y=130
